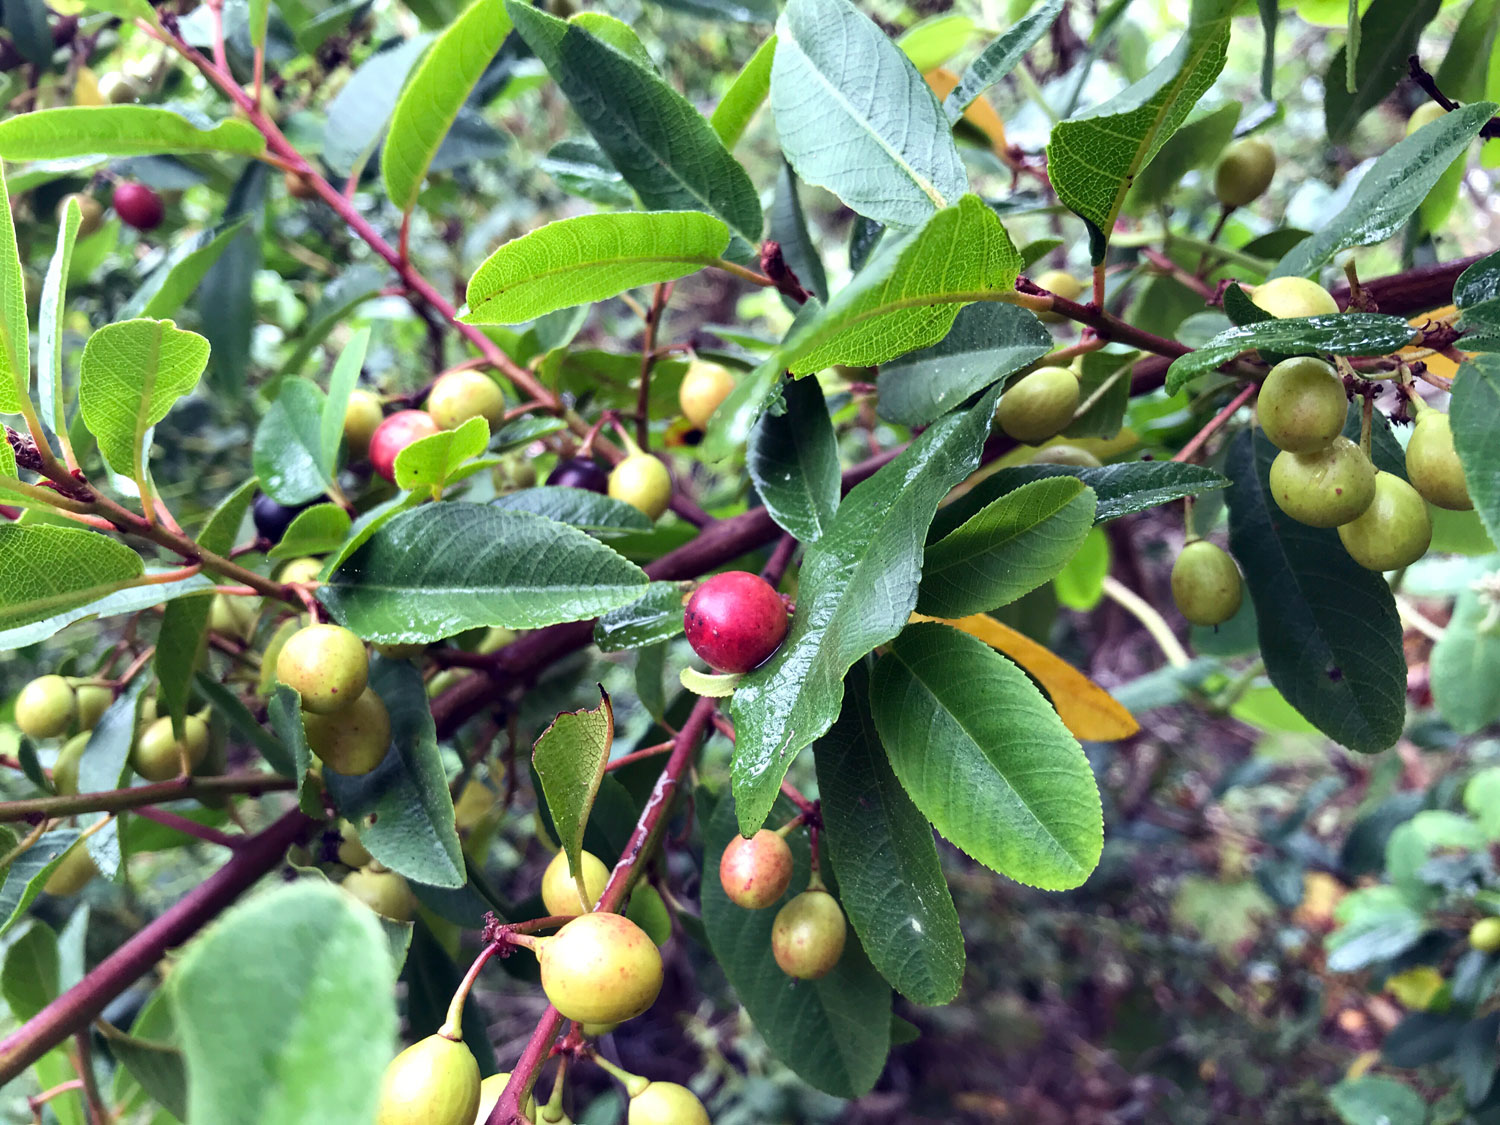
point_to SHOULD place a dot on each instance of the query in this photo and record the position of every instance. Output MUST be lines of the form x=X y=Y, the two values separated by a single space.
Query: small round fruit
x=560 y=891
x=395 y=434
x=298 y=186
x=460 y=395
x=755 y=872
x=1206 y=584
x=45 y=707
x=1325 y=488
x=351 y=741
x=666 y=1103
x=301 y=571
x=91 y=212
x=704 y=387
x=1284 y=297
x=93 y=701
x=1062 y=284
x=473 y=804
x=1433 y=464
x=326 y=665
x=384 y=892
x=352 y=851
x=119 y=89
x=735 y=621
x=233 y=616
x=1484 y=935
x=362 y=417
x=579 y=472
x=1424 y=114
x=157 y=755
x=807 y=938
x=1038 y=405
x=272 y=519
x=600 y=968
x=1066 y=455
x=1244 y=172
x=435 y=1081
x=1302 y=404
x=73 y=873
x=513 y=474
x=489 y=1096
x=139 y=207
x=399 y=651
x=1394 y=531
x=643 y=482
x=65 y=769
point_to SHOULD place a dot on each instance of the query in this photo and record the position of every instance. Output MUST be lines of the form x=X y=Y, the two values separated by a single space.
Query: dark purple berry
x=272 y=519
x=580 y=472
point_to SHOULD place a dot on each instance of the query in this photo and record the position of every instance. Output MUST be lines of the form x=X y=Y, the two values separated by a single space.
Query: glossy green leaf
x=49 y=374
x=569 y=758
x=745 y=95
x=985 y=757
x=1093 y=158
x=1380 y=43
x=1466 y=665
x=834 y=1032
x=999 y=58
x=854 y=116
x=175 y=280
x=125 y=598
x=793 y=459
x=284 y=713
x=1329 y=633
x=1376 y=1097
x=46 y=569
x=1475 y=417
x=890 y=881
x=788 y=229
x=23 y=880
x=435 y=93
x=597 y=514
x=908 y=295
x=308 y=975
x=341 y=383
x=120 y=130
x=15 y=331
x=933 y=41
x=1008 y=549
x=1195 y=145
x=313 y=531
x=1335 y=333
x=857 y=588
x=589 y=258
x=443 y=568
x=428 y=463
x=288 y=449
x=655 y=617
x=986 y=343
x=1465 y=67
x=131 y=374
x=1391 y=190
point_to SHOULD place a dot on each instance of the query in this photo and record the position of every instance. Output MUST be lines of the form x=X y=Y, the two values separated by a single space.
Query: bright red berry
x=138 y=206
x=735 y=621
x=395 y=434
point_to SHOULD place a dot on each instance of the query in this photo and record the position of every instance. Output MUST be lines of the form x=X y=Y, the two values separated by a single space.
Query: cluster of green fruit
x=346 y=722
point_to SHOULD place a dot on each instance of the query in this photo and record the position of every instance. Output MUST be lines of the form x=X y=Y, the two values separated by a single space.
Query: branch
x=118 y=800
x=1430 y=87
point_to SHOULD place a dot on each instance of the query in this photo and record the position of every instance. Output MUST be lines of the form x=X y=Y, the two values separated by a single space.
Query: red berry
x=735 y=621
x=755 y=872
x=138 y=206
x=395 y=434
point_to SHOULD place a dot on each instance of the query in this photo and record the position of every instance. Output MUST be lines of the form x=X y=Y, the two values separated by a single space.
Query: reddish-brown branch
x=1190 y=450
x=207 y=833
x=118 y=800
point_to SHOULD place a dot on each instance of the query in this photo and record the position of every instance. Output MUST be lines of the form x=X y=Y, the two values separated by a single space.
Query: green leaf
x=1334 y=333
x=15 y=330
x=159 y=1067
x=570 y=757
x=313 y=531
x=662 y=145
x=30 y=979
x=1475 y=416
x=908 y=296
x=590 y=258
x=120 y=130
x=1374 y=1097
x=1008 y=549
x=711 y=685
x=358 y=115
x=402 y=808
x=23 y=880
x=599 y=515
x=174 y=281
x=936 y=39
x=1365 y=71
x=855 y=117
x=788 y=229
x=49 y=373
x=890 y=881
x=284 y=713
x=128 y=10
x=308 y=975
x=288 y=450
x=999 y=58
x=857 y=588
x=340 y=384
x=1466 y=66
x=1094 y=157
x=1329 y=633
x=986 y=343
x=444 y=568
x=435 y=93
x=1465 y=666
x=793 y=460
x=745 y=95
x=226 y=703
x=127 y=597
x=835 y=1031
x=1194 y=145
x=1391 y=190
x=259 y=17
x=985 y=757
x=367 y=525
x=428 y=463
x=131 y=374
x=655 y=617
x=46 y=569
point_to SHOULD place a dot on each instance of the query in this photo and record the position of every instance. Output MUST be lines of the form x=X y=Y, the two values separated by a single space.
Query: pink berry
x=735 y=621
x=395 y=434
x=138 y=206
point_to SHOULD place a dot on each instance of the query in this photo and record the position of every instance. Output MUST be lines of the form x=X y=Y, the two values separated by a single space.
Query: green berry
x=1062 y=284
x=1285 y=297
x=807 y=937
x=1244 y=172
x=1433 y=464
x=73 y=873
x=65 y=769
x=158 y=756
x=1302 y=404
x=384 y=892
x=301 y=571
x=1424 y=114
x=233 y=616
x=326 y=665
x=1325 y=488
x=1038 y=405
x=352 y=851
x=643 y=482
x=666 y=1103
x=560 y=891
x=45 y=707
x=460 y=395
x=1061 y=454
x=1206 y=584
x=93 y=701
x=1484 y=935
x=362 y=417
x=432 y=1082
x=600 y=968
x=352 y=741
x=704 y=387
x=1394 y=531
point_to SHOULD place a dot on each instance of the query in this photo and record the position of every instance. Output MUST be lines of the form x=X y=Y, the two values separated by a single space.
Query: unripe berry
x=395 y=434
x=460 y=395
x=1285 y=297
x=666 y=1103
x=704 y=387
x=93 y=701
x=352 y=851
x=65 y=768
x=1302 y=404
x=1394 y=531
x=433 y=1082
x=301 y=571
x=158 y=756
x=755 y=872
x=514 y=473
x=560 y=891
x=353 y=740
x=1062 y=284
x=326 y=665
x=298 y=186
x=139 y=207
x=1424 y=114
x=495 y=638
x=1484 y=935
x=1244 y=172
x=91 y=212
x=735 y=621
x=807 y=938
x=473 y=805
x=362 y=417
x=119 y=89
x=1325 y=488
x=45 y=707
x=1206 y=584
x=399 y=651
x=73 y=873
x=580 y=472
x=1433 y=464
x=643 y=482
x=1066 y=455
x=600 y=968
x=489 y=1096
x=1038 y=405
x=233 y=616
x=384 y=892
x=272 y=519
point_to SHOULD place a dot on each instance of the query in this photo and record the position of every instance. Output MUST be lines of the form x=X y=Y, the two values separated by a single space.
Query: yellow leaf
x=1416 y=988
x=1085 y=708
x=86 y=88
x=981 y=114
x=1362 y=1063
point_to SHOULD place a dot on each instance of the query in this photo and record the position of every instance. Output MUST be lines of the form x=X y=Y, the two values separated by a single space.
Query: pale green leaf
x=429 y=462
x=287 y=453
x=120 y=130
x=599 y=515
x=314 y=531
x=932 y=42
x=745 y=95
x=570 y=757
x=15 y=330
x=345 y=375
x=49 y=374
x=1466 y=665
x=45 y=570
x=1474 y=414
x=1000 y=58
x=174 y=281
x=127 y=600
x=711 y=685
